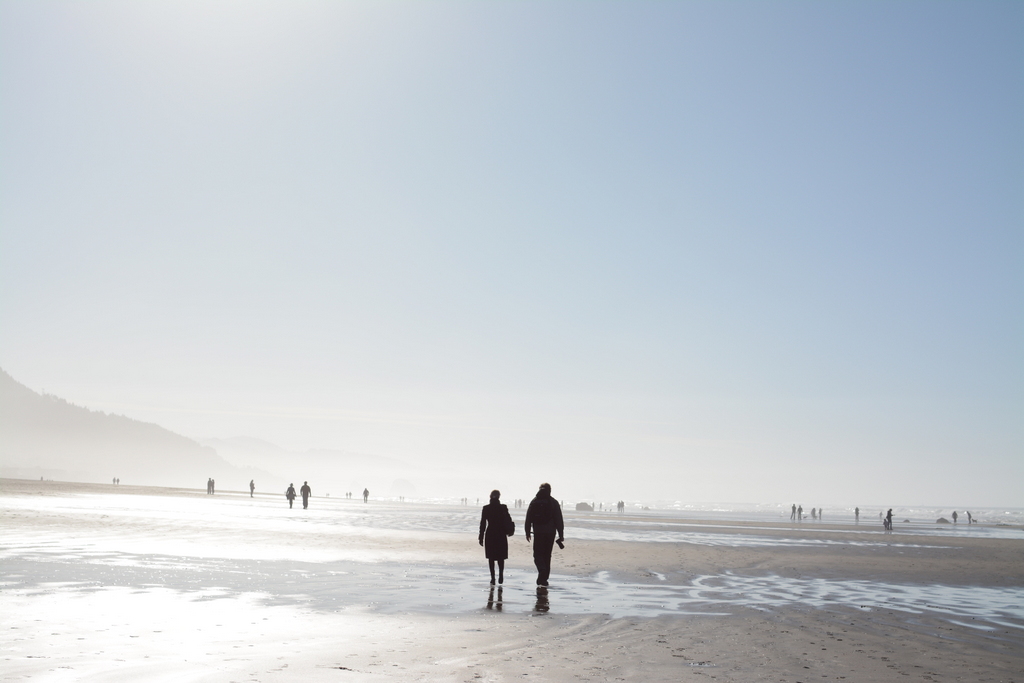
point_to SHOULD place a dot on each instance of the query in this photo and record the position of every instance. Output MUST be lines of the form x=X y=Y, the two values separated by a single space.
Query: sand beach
x=106 y=583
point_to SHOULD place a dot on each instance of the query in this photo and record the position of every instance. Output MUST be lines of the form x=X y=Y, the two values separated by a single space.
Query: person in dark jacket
x=544 y=519
x=290 y=494
x=494 y=526
x=306 y=493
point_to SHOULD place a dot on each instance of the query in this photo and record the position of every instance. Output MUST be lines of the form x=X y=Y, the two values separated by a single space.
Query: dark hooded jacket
x=544 y=516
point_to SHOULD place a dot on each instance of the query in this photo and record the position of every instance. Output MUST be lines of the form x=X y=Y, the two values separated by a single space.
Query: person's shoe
x=542 y=583
x=501 y=579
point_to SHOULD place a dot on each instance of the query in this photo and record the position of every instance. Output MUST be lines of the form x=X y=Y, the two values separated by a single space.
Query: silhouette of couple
x=543 y=522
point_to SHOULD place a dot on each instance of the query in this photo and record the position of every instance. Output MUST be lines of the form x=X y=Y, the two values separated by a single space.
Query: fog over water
x=666 y=253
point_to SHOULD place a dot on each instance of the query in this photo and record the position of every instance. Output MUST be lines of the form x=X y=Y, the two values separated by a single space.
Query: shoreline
x=695 y=513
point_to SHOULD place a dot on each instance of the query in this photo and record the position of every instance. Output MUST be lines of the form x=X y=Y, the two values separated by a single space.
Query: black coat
x=492 y=529
x=544 y=516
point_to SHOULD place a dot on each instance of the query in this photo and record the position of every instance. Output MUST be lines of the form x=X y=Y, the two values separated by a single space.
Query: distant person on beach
x=954 y=516
x=290 y=494
x=970 y=520
x=814 y=515
x=820 y=516
x=544 y=518
x=366 y=495
x=888 y=520
x=495 y=527
x=213 y=486
x=306 y=493
x=208 y=480
x=800 y=514
x=792 y=515
x=252 y=487
x=856 y=515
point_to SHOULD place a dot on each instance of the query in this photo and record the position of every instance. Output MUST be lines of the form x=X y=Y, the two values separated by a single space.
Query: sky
x=697 y=251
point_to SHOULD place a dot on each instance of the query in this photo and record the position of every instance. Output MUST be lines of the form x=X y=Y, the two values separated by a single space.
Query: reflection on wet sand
x=542 y=605
x=386 y=587
x=493 y=604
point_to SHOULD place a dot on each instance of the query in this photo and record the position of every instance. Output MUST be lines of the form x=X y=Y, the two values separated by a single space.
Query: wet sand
x=127 y=583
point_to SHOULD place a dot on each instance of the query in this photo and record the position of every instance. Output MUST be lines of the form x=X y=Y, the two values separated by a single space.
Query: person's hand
x=481 y=540
x=527 y=536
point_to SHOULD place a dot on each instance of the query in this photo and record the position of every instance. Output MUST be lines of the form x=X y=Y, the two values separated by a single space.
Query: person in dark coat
x=494 y=526
x=306 y=493
x=290 y=494
x=544 y=519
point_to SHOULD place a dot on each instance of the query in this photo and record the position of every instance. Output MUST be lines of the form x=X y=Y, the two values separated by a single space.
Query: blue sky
x=758 y=251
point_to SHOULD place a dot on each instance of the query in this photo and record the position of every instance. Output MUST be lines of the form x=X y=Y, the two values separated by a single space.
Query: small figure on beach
x=290 y=494
x=814 y=514
x=856 y=515
x=888 y=520
x=496 y=526
x=792 y=515
x=213 y=486
x=306 y=493
x=800 y=514
x=252 y=487
x=970 y=520
x=820 y=515
x=954 y=516
x=209 y=484
x=366 y=495
x=544 y=519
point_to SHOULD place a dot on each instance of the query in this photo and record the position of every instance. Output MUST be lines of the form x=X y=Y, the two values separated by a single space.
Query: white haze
x=681 y=251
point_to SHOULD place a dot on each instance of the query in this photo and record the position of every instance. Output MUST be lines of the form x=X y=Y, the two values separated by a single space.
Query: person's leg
x=542 y=545
x=501 y=572
x=490 y=564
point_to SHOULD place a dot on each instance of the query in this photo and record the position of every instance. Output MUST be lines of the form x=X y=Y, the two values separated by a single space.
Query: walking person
x=496 y=526
x=544 y=519
x=366 y=495
x=306 y=493
x=888 y=520
x=290 y=494
x=252 y=487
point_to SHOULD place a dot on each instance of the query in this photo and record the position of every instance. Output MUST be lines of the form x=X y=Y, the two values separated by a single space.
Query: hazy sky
x=702 y=251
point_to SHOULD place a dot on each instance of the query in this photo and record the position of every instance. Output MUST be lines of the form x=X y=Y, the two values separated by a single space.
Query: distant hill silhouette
x=45 y=436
